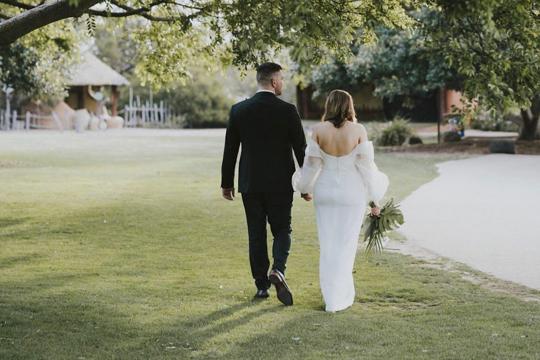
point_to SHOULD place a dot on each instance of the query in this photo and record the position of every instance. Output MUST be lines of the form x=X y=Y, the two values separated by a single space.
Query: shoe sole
x=283 y=293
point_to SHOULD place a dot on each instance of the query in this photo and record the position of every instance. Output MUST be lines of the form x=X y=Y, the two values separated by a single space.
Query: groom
x=268 y=129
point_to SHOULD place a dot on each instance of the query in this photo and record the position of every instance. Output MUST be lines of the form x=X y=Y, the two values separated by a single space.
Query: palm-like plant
x=390 y=218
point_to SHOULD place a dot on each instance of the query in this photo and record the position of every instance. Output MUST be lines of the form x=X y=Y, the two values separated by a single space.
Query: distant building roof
x=93 y=71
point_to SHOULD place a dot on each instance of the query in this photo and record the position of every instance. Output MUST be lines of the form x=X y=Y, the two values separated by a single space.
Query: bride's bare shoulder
x=318 y=129
x=360 y=126
x=362 y=131
x=320 y=126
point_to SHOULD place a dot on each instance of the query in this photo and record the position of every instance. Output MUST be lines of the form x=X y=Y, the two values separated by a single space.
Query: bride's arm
x=303 y=180
x=376 y=181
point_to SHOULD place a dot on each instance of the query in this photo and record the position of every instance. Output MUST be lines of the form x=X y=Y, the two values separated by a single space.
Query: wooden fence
x=12 y=121
x=138 y=113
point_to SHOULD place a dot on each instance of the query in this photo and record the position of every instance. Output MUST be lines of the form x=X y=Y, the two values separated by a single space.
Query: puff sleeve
x=376 y=181
x=303 y=180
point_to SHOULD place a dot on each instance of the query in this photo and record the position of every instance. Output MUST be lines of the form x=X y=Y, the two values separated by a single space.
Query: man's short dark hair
x=265 y=72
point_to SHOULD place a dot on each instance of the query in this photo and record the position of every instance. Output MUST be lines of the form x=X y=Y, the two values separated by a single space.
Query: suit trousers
x=274 y=208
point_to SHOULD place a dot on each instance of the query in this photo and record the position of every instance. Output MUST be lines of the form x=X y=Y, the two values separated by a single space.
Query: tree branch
x=17 y=4
x=36 y=16
x=39 y=16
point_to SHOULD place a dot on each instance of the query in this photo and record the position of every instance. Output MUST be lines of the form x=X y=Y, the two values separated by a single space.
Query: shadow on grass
x=12 y=261
x=5 y=222
x=71 y=312
x=38 y=322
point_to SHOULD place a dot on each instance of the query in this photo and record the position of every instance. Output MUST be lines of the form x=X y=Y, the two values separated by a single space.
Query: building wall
x=79 y=98
x=366 y=105
x=370 y=107
x=452 y=98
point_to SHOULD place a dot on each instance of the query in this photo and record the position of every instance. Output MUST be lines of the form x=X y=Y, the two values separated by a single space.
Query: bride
x=339 y=170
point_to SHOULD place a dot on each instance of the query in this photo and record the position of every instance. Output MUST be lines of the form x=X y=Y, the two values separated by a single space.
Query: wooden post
x=15 y=124
x=126 y=116
x=143 y=117
x=114 y=100
x=8 y=120
x=8 y=111
x=130 y=116
x=139 y=107
x=440 y=113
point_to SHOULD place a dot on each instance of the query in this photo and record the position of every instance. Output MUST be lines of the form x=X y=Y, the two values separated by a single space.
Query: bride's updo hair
x=339 y=107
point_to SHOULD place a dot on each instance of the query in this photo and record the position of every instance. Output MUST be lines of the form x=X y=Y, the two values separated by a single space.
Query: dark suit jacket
x=269 y=129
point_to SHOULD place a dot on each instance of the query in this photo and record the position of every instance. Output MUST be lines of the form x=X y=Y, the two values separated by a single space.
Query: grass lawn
x=118 y=245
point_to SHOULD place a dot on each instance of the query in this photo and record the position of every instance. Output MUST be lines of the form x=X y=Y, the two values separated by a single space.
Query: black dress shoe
x=283 y=292
x=262 y=294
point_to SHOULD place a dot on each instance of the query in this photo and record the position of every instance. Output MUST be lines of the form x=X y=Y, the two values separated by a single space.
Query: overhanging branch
x=39 y=16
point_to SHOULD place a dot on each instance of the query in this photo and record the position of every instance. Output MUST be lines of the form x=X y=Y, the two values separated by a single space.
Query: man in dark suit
x=269 y=130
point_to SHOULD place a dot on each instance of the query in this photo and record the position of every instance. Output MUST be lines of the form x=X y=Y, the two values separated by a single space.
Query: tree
x=36 y=66
x=114 y=44
x=241 y=32
x=400 y=65
x=490 y=49
x=495 y=46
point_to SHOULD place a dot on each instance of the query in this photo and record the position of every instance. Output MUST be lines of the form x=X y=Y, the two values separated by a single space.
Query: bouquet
x=389 y=219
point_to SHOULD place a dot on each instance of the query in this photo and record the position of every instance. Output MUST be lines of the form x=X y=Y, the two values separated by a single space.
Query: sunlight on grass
x=118 y=245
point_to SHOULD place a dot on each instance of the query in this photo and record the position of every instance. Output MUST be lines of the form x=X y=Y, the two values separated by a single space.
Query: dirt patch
x=12 y=164
x=486 y=281
x=471 y=145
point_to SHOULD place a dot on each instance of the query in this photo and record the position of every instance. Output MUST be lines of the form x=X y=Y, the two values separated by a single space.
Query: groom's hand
x=307 y=197
x=228 y=193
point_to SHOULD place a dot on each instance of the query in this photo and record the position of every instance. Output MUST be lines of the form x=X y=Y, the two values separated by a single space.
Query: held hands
x=375 y=211
x=228 y=193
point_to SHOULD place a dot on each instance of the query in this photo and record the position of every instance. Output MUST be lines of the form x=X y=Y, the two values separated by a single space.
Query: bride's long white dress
x=342 y=187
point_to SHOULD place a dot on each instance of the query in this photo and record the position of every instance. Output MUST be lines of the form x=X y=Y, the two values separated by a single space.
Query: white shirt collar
x=270 y=91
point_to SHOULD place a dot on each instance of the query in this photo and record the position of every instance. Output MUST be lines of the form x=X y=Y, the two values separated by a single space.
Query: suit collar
x=264 y=93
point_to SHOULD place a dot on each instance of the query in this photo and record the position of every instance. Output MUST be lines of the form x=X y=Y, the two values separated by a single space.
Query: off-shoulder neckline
x=341 y=156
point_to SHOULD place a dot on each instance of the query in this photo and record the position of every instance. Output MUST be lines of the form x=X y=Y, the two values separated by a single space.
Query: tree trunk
x=530 y=119
x=114 y=100
x=42 y=15
x=441 y=105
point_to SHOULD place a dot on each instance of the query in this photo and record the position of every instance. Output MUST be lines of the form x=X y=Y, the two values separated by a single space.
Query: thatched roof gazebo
x=87 y=81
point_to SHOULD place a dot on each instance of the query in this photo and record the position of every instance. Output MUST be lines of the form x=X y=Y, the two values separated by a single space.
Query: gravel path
x=484 y=212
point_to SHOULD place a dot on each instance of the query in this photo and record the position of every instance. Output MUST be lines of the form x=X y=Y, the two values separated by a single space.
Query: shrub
x=201 y=102
x=491 y=120
x=396 y=133
x=451 y=136
x=502 y=147
x=413 y=140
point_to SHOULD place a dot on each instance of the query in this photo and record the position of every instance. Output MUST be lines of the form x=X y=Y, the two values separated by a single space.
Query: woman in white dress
x=339 y=170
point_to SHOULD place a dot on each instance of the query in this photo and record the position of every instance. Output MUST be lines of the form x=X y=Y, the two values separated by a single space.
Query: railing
x=12 y=121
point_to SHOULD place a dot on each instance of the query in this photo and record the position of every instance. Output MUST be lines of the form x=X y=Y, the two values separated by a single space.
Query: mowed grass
x=117 y=245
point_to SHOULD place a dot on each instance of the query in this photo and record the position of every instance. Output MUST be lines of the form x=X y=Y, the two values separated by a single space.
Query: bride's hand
x=375 y=211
